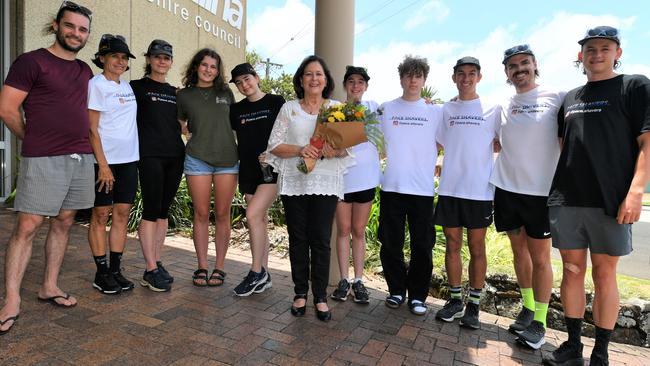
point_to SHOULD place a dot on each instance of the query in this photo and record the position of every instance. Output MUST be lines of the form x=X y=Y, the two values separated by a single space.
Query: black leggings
x=159 y=180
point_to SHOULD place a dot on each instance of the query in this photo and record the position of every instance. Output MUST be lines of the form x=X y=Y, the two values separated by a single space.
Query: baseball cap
x=352 y=70
x=159 y=47
x=517 y=50
x=241 y=69
x=111 y=44
x=602 y=31
x=468 y=60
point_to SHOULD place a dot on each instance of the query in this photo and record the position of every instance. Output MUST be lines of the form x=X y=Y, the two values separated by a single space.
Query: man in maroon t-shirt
x=56 y=169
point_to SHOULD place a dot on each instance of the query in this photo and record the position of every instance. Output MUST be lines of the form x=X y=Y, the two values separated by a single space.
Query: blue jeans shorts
x=194 y=166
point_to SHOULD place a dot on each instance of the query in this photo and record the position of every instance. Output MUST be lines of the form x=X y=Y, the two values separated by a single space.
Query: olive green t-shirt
x=207 y=112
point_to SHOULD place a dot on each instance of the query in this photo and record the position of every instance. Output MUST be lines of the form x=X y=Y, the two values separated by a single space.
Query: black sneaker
x=524 y=318
x=106 y=284
x=533 y=336
x=566 y=355
x=264 y=286
x=155 y=281
x=453 y=309
x=164 y=273
x=360 y=294
x=124 y=283
x=470 y=319
x=250 y=282
x=342 y=290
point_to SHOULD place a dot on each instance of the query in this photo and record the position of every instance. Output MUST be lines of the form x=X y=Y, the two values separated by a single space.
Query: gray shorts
x=589 y=228
x=49 y=184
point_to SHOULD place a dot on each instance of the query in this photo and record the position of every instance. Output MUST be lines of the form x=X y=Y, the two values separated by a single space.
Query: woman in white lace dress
x=309 y=199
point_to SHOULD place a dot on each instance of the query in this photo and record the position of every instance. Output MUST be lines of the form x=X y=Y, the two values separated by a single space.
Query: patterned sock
x=574 y=329
x=100 y=262
x=455 y=292
x=540 y=312
x=602 y=342
x=116 y=259
x=528 y=298
x=475 y=295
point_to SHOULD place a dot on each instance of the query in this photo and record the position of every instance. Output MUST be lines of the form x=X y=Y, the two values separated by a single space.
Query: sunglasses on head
x=107 y=37
x=164 y=47
x=516 y=49
x=74 y=7
x=603 y=31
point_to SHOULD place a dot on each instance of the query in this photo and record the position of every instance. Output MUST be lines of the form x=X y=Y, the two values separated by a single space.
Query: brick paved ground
x=210 y=326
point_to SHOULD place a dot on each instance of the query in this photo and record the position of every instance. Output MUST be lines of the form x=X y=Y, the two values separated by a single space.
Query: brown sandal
x=200 y=277
x=217 y=275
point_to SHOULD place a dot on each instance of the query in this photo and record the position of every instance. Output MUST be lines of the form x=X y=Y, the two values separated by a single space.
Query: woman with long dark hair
x=211 y=157
x=309 y=198
x=161 y=158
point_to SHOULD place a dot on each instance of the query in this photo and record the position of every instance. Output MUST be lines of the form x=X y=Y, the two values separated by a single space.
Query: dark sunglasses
x=603 y=31
x=516 y=49
x=74 y=7
x=108 y=37
x=164 y=47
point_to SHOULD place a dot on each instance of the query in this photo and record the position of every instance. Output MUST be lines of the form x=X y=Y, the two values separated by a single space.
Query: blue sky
x=445 y=30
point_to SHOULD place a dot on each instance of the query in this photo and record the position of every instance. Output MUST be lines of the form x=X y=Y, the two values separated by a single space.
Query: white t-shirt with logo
x=118 y=130
x=529 y=144
x=467 y=134
x=410 y=138
x=366 y=173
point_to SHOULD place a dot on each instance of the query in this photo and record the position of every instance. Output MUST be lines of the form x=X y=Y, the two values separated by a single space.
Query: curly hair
x=413 y=65
x=297 y=77
x=191 y=76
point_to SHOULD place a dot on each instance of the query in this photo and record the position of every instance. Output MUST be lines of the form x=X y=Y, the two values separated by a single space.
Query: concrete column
x=334 y=41
x=334 y=38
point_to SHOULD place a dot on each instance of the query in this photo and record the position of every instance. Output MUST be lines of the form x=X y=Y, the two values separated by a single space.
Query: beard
x=60 y=39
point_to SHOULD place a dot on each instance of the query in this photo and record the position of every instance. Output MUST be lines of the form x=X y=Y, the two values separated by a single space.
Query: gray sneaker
x=453 y=309
x=155 y=281
x=533 y=336
x=470 y=319
x=524 y=318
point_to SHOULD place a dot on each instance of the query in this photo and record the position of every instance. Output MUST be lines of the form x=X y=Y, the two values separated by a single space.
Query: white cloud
x=435 y=9
x=270 y=33
x=554 y=41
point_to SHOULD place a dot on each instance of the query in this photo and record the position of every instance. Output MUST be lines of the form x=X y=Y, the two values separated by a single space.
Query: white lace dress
x=294 y=126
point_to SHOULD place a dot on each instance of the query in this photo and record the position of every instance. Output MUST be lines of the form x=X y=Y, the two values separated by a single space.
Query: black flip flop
x=2 y=322
x=217 y=275
x=52 y=300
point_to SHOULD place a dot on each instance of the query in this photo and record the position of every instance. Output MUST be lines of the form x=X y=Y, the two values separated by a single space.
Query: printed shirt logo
x=408 y=121
x=529 y=108
x=466 y=120
x=221 y=100
x=588 y=107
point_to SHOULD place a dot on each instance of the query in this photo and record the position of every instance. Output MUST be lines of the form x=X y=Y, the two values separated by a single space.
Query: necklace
x=205 y=93
x=309 y=108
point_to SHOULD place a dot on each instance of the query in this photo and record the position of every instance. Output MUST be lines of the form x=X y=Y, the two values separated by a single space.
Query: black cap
x=603 y=31
x=241 y=69
x=111 y=44
x=159 y=47
x=522 y=49
x=467 y=60
x=358 y=70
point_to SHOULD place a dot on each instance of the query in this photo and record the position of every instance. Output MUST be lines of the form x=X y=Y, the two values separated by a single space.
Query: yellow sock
x=528 y=298
x=540 y=312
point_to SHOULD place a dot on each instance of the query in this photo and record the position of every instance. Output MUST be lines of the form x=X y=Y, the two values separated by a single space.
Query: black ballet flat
x=324 y=316
x=295 y=311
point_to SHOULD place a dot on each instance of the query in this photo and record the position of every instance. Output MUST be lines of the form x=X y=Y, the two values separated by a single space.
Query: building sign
x=232 y=13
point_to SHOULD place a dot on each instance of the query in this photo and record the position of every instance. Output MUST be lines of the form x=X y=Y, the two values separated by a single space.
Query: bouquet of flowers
x=341 y=126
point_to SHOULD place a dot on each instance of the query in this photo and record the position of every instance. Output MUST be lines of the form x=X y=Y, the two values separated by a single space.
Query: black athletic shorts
x=514 y=210
x=124 y=188
x=360 y=197
x=250 y=187
x=461 y=212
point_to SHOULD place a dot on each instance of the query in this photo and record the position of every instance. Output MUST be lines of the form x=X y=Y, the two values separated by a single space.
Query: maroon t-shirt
x=56 y=108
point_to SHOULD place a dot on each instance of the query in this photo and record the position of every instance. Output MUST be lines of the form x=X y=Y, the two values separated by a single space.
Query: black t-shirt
x=600 y=123
x=253 y=122
x=158 y=128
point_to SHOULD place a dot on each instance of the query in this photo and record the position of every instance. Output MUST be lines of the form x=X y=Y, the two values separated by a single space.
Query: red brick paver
x=210 y=326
